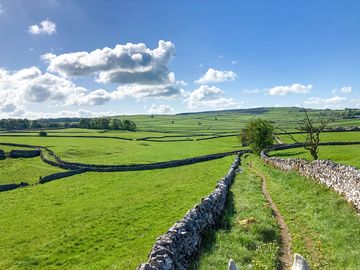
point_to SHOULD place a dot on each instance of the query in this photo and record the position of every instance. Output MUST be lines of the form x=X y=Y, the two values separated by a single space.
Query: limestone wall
x=2 y=154
x=8 y=187
x=60 y=175
x=24 y=153
x=134 y=167
x=180 y=244
x=342 y=178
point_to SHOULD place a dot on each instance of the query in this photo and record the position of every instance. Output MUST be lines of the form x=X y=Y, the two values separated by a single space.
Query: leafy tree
x=105 y=123
x=85 y=123
x=35 y=124
x=129 y=125
x=116 y=124
x=259 y=134
x=42 y=133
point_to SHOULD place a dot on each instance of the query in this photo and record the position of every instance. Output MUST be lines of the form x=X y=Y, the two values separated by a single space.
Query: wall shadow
x=209 y=238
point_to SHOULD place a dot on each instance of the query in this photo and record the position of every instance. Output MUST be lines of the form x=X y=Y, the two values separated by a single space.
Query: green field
x=344 y=154
x=111 y=220
x=325 y=239
x=99 y=220
x=112 y=151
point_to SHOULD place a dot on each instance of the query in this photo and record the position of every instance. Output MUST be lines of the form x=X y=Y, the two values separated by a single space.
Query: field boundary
x=177 y=248
x=343 y=179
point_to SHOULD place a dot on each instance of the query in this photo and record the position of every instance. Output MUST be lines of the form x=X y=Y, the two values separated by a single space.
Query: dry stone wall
x=2 y=154
x=134 y=167
x=180 y=244
x=60 y=175
x=342 y=178
x=24 y=153
x=8 y=187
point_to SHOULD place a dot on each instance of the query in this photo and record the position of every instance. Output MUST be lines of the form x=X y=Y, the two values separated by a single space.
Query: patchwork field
x=97 y=220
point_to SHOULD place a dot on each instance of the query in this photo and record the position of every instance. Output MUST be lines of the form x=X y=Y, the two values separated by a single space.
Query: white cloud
x=1 y=8
x=129 y=63
x=254 y=91
x=356 y=102
x=332 y=102
x=161 y=109
x=234 y=62
x=209 y=96
x=23 y=113
x=295 y=88
x=46 y=27
x=31 y=85
x=139 y=91
x=346 y=89
x=216 y=76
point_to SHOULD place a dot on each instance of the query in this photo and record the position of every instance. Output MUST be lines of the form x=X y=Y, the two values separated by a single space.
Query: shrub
x=42 y=133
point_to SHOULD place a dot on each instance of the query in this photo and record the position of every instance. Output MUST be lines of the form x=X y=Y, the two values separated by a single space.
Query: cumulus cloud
x=216 y=76
x=209 y=96
x=333 y=102
x=346 y=89
x=139 y=91
x=295 y=88
x=31 y=85
x=129 y=63
x=45 y=27
x=161 y=109
x=23 y=113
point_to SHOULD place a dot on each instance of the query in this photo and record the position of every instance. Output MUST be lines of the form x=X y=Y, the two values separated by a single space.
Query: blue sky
x=176 y=56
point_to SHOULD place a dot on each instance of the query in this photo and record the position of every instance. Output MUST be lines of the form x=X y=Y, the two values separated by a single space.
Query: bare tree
x=311 y=128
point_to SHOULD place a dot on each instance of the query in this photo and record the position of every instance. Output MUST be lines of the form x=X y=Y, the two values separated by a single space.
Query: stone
x=232 y=265
x=299 y=263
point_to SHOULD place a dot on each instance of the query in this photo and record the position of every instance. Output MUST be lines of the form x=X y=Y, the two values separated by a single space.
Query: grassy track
x=99 y=220
x=324 y=227
x=248 y=232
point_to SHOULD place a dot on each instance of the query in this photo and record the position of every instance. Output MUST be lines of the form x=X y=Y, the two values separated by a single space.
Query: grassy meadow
x=344 y=154
x=111 y=220
x=99 y=220
x=113 y=151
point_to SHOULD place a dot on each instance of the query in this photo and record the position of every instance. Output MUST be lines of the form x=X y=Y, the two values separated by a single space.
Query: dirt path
x=285 y=250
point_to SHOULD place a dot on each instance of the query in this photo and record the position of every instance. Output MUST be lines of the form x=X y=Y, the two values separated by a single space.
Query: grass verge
x=248 y=232
x=325 y=228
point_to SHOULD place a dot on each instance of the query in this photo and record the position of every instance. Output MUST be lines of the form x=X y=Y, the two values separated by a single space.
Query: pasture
x=98 y=220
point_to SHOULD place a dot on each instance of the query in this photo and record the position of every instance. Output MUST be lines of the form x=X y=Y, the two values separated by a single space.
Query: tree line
x=91 y=123
x=107 y=123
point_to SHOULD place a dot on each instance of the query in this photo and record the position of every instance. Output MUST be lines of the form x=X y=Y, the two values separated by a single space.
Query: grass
x=16 y=170
x=344 y=154
x=112 y=151
x=325 y=229
x=349 y=136
x=248 y=232
x=99 y=220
